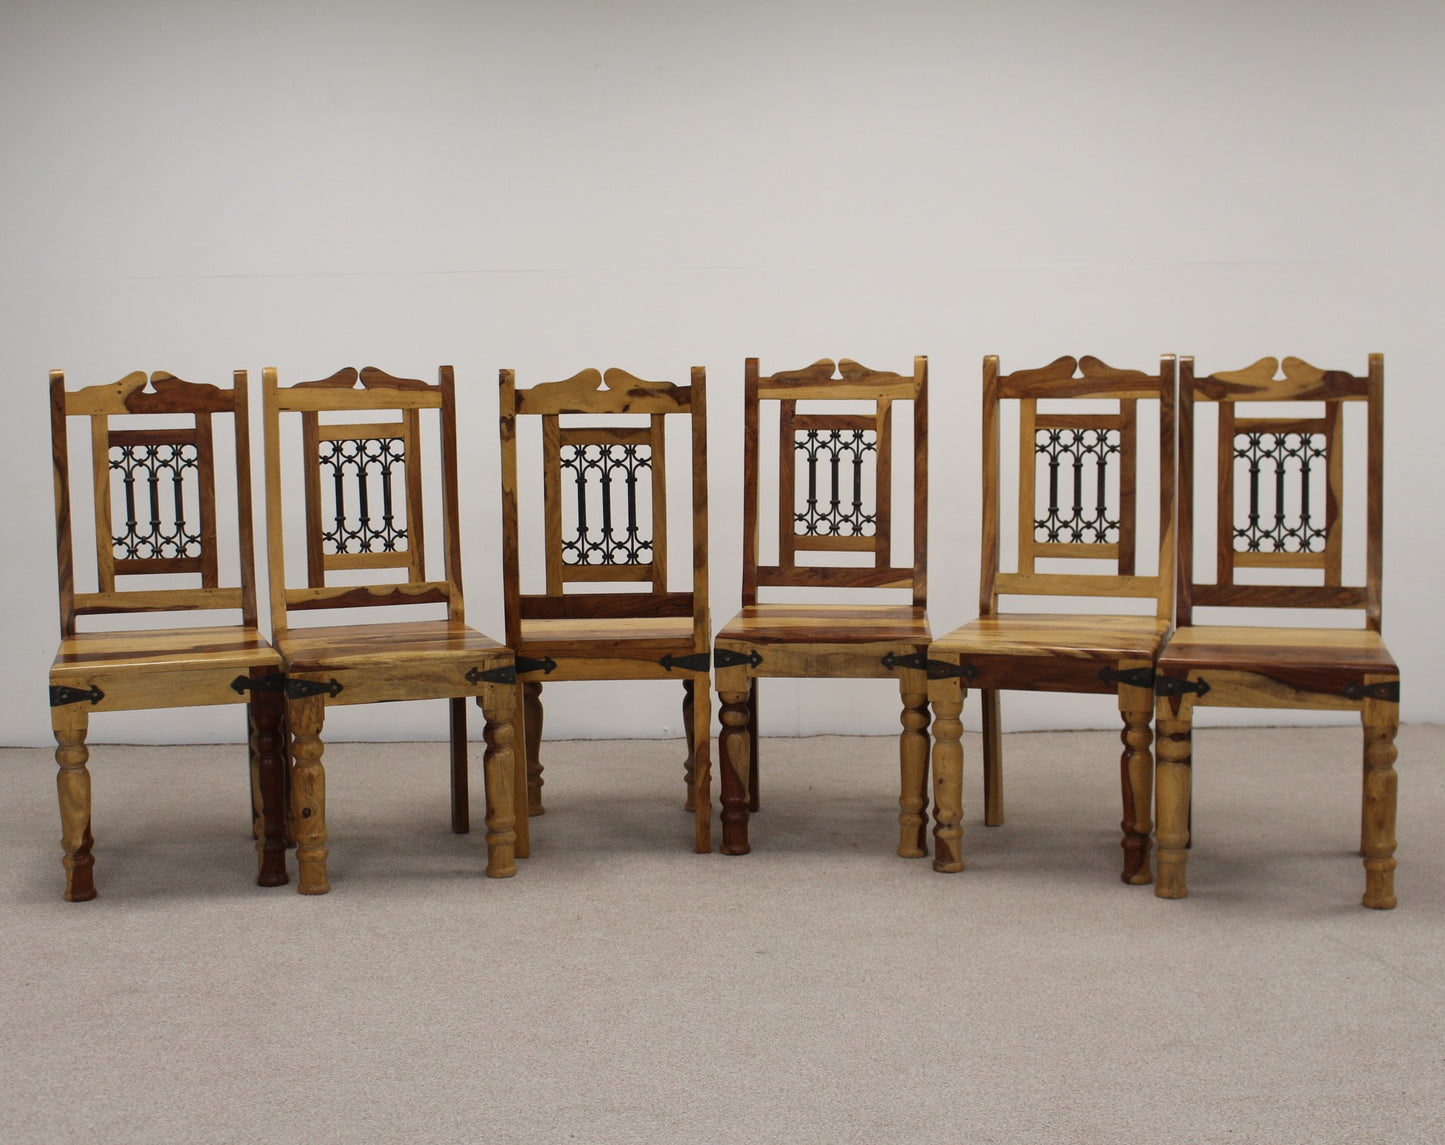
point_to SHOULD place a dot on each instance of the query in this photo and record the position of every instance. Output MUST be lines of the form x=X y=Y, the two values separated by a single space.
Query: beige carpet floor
x=622 y=989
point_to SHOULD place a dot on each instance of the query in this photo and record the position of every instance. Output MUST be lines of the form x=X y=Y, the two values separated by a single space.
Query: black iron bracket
x=692 y=662
x=301 y=689
x=546 y=665
x=506 y=674
x=270 y=682
x=1178 y=685
x=60 y=695
x=1388 y=690
x=936 y=669
x=1134 y=677
x=727 y=658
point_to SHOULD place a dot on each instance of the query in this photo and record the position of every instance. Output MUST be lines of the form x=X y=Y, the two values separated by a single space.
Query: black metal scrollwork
x=361 y=458
x=835 y=448
x=1081 y=450
x=1276 y=532
x=612 y=470
x=153 y=479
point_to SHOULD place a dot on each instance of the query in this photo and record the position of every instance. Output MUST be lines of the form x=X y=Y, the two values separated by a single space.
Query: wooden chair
x=362 y=486
x=1078 y=481
x=1280 y=477
x=603 y=511
x=835 y=500
x=154 y=516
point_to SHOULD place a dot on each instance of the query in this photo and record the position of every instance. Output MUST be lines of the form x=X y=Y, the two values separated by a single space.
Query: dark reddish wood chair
x=154 y=520
x=602 y=506
x=835 y=531
x=1280 y=491
x=361 y=484
x=1078 y=480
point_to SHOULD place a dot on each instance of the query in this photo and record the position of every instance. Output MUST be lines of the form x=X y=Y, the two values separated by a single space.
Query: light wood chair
x=362 y=492
x=1078 y=484
x=603 y=512
x=154 y=514
x=1280 y=480
x=834 y=503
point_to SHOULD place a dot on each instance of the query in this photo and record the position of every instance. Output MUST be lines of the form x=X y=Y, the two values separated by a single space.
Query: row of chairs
x=594 y=528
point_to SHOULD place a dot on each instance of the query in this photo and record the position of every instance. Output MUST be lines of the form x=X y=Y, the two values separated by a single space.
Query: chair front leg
x=498 y=773
x=1381 y=721
x=1172 y=781
x=734 y=752
x=1136 y=780
x=700 y=749
x=306 y=716
x=267 y=712
x=69 y=723
x=947 y=697
x=913 y=765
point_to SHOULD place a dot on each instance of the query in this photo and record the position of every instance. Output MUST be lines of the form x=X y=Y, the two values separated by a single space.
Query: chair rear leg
x=753 y=798
x=461 y=788
x=532 y=723
x=734 y=752
x=992 y=759
x=913 y=765
x=1172 y=780
x=1136 y=779
x=689 y=803
x=268 y=769
x=1381 y=720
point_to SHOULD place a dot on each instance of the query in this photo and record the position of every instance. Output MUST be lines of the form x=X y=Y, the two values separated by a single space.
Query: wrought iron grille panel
x=1077 y=459
x=840 y=509
x=605 y=480
x=1283 y=469
x=153 y=488
x=368 y=468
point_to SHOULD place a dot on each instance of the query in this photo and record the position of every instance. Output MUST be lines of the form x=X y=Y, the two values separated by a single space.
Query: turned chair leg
x=1381 y=722
x=1136 y=777
x=913 y=765
x=734 y=755
x=532 y=724
x=69 y=724
x=754 y=799
x=306 y=716
x=268 y=768
x=700 y=750
x=947 y=775
x=498 y=775
x=461 y=784
x=992 y=727
x=258 y=823
x=690 y=763
x=1172 y=779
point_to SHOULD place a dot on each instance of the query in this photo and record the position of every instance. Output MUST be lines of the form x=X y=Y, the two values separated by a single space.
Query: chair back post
x=702 y=625
x=920 y=482
x=451 y=502
x=1375 y=494
x=751 y=491
x=511 y=558
x=60 y=459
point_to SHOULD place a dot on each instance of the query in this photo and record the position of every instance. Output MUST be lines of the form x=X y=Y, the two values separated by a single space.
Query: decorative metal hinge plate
x=271 y=682
x=692 y=662
x=1178 y=685
x=1134 y=677
x=936 y=669
x=506 y=674
x=546 y=665
x=1388 y=690
x=60 y=695
x=727 y=658
x=301 y=689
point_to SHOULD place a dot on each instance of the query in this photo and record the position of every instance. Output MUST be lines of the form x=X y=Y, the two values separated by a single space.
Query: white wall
x=199 y=187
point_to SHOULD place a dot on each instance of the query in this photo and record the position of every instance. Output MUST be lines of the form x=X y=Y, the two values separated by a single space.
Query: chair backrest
x=1280 y=481
x=1078 y=480
x=604 y=496
x=362 y=485
x=835 y=477
x=154 y=494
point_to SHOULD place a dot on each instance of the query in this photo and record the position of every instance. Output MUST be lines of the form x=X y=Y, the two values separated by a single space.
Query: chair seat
x=819 y=624
x=1342 y=653
x=1101 y=637
x=227 y=647
x=357 y=645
